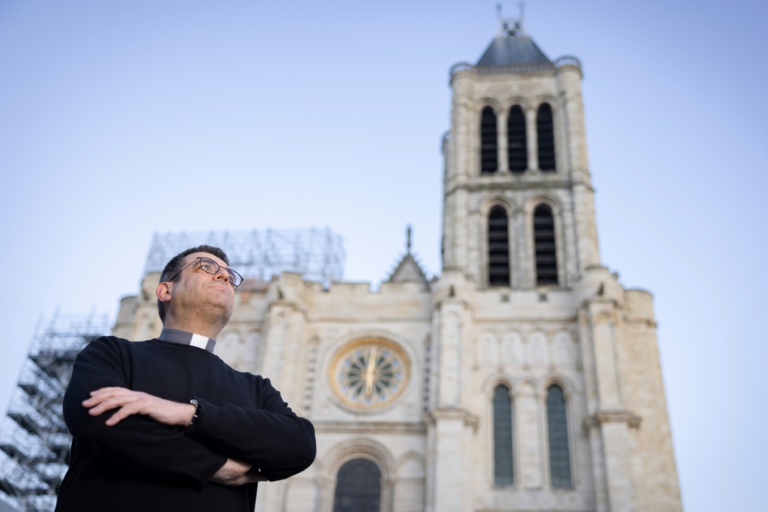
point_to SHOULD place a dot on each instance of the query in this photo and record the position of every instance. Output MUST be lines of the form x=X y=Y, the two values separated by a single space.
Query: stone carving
x=527 y=423
x=512 y=353
x=538 y=350
x=488 y=350
x=563 y=350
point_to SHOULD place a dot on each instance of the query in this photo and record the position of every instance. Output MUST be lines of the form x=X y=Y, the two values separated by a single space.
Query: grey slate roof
x=409 y=270
x=513 y=52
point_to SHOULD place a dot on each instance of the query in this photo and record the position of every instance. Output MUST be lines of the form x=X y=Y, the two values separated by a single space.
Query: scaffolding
x=317 y=254
x=34 y=441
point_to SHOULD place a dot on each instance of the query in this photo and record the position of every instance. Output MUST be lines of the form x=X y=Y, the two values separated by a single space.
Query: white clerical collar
x=187 y=338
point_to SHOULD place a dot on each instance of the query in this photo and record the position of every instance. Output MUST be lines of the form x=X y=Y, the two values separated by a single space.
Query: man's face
x=197 y=289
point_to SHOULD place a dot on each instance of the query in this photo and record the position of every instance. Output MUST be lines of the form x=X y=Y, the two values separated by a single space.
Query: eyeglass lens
x=211 y=267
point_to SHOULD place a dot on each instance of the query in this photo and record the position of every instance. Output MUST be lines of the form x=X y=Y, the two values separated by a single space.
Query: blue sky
x=121 y=119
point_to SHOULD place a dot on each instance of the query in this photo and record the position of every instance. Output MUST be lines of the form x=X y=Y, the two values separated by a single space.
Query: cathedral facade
x=523 y=378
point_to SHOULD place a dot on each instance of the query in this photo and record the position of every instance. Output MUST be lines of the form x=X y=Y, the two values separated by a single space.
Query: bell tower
x=546 y=390
x=518 y=201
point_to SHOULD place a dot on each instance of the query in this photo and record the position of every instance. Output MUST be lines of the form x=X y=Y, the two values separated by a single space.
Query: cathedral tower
x=548 y=388
x=518 y=197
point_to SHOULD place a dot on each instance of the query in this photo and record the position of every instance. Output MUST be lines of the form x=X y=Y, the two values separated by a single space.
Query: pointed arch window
x=517 y=144
x=545 y=246
x=489 y=159
x=503 y=466
x=545 y=135
x=557 y=430
x=498 y=247
x=358 y=487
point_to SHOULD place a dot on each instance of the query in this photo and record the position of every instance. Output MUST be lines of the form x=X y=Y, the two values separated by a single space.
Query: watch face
x=369 y=373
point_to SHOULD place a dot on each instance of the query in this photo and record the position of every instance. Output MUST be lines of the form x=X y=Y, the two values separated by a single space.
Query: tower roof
x=513 y=50
x=409 y=270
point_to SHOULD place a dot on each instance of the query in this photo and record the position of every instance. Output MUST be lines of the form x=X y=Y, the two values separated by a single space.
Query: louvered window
x=544 y=242
x=358 y=487
x=489 y=161
x=545 y=134
x=503 y=468
x=517 y=147
x=557 y=429
x=498 y=247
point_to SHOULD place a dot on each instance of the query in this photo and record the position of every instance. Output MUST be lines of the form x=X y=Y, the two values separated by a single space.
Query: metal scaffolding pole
x=34 y=441
x=317 y=254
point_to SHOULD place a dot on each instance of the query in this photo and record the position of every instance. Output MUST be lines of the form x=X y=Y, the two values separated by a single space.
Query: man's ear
x=163 y=292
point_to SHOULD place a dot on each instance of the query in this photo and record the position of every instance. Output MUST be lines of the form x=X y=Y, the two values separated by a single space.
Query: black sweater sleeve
x=137 y=445
x=271 y=438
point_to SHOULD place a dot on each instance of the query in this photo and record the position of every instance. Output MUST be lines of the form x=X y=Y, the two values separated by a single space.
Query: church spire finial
x=511 y=26
x=408 y=239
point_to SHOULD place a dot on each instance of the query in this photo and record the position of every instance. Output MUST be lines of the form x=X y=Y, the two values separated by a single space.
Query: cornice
x=372 y=427
x=612 y=416
x=452 y=413
x=503 y=185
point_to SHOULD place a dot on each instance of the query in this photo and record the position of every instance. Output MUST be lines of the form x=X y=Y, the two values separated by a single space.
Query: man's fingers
x=100 y=395
x=107 y=392
x=121 y=414
x=106 y=406
x=130 y=402
x=105 y=399
x=109 y=402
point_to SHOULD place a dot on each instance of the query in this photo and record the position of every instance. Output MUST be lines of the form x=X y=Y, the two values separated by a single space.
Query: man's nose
x=221 y=274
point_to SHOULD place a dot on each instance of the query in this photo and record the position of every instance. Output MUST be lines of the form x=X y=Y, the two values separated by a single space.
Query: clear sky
x=121 y=119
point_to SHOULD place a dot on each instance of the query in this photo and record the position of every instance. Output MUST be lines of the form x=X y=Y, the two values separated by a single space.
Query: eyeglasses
x=211 y=267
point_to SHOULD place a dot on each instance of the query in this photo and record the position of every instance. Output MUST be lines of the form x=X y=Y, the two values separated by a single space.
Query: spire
x=409 y=269
x=510 y=26
x=408 y=240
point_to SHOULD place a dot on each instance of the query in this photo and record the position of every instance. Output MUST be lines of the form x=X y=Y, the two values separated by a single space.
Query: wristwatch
x=197 y=412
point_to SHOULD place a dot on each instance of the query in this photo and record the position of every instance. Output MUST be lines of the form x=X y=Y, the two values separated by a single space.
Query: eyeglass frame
x=232 y=273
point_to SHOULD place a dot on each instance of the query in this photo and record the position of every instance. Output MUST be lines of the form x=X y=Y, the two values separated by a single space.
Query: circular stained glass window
x=369 y=373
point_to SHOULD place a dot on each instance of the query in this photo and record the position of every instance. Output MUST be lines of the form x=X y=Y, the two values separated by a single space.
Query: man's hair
x=177 y=263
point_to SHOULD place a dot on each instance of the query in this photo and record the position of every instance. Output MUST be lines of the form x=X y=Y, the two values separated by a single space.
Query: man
x=165 y=425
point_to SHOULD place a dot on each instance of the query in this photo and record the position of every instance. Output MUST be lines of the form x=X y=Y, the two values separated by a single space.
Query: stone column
x=532 y=139
x=456 y=231
x=276 y=334
x=520 y=271
x=609 y=413
x=449 y=420
x=283 y=362
x=464 y=126
x=462 y=161
x=449 y=356
x=587 y=250
x=528 y=473
x=449 y=454
x=569 y=86
x=502 y=142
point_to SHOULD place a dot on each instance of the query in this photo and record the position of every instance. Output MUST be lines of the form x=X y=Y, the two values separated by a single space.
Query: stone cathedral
x=523 y=378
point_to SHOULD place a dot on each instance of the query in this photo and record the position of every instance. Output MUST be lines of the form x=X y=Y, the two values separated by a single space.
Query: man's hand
x=235 y=473
x=130 y=402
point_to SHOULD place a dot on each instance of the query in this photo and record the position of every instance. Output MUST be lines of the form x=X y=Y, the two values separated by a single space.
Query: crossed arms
x=129 y=402
x=145 y=434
